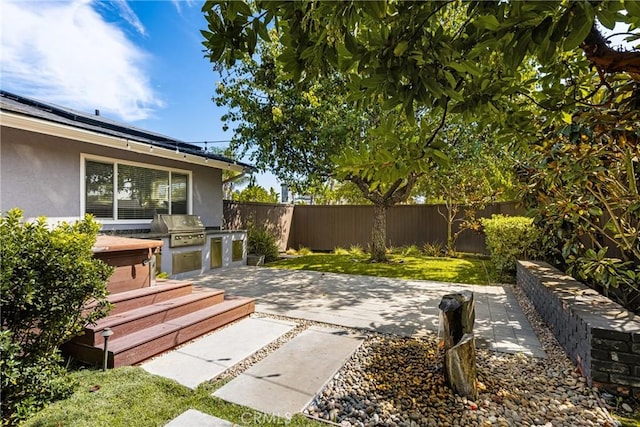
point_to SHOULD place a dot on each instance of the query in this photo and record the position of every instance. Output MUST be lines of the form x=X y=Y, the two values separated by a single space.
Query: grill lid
x=164 y=223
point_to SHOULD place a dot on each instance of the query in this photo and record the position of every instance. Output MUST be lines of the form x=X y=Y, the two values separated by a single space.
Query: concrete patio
x=396 y=306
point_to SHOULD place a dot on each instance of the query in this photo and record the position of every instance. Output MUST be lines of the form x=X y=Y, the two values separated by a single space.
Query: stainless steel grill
x=183 y=230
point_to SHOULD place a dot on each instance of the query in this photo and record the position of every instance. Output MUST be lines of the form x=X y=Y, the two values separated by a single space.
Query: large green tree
x=461 y=56
x=287 y=129
x=308 y=134
x=433 y=59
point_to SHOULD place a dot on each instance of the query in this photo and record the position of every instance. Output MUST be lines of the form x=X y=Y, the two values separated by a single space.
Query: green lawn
x=130 y=396
x=458 y=270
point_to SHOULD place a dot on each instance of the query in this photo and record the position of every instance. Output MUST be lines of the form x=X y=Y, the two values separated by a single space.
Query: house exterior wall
x=40 y=174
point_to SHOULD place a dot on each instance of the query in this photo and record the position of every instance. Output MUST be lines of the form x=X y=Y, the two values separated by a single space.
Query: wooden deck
x=148 y=320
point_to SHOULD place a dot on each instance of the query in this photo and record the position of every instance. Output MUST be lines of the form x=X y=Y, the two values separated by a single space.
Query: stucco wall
x=40 y=174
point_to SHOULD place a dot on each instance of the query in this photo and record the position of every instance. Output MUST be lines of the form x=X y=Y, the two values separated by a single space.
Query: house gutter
x=45 y=127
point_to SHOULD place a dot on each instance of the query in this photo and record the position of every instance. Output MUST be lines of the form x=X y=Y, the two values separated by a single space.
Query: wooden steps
x=163 y=291
x=151 y=320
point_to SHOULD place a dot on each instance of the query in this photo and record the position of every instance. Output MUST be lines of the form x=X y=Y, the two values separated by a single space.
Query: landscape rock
x=458 y=316
x=460 y=366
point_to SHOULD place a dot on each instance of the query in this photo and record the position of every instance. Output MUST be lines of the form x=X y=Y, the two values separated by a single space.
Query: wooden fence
x=323 y=228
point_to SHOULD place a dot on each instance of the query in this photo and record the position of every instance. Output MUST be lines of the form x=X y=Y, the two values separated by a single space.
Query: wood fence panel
x=323 y=228
x=276 y=218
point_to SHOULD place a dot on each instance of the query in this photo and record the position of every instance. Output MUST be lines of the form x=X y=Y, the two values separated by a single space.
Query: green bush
x=510 y=238
x=261 y=242
x=340 y=251
x=46 y=279
x=411 y=250
x=435 y=249
x=304 y=251
x=356 y=250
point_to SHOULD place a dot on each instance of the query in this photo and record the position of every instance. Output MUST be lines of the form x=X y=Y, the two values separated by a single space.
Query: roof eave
x=19 y=121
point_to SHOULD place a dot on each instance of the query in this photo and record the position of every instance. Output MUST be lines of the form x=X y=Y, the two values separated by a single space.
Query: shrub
x=433 y=249
x=261 y=242
x=356 y=250
x=412 y=250
x=46 y=279
x=612 y=277
x=340 y=251
x=510 y=238
x=304 y=251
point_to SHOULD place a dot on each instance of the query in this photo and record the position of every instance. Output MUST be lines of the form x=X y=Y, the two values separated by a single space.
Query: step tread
x=163 y=286
x=137 y=313
x=126 y=342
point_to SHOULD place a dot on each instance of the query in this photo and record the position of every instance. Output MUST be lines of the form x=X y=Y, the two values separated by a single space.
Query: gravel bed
x=396 y=381
x=393 y=381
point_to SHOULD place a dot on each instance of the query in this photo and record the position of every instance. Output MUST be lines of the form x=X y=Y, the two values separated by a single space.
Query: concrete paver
x=287 y=380
x=402 y=307
x=193 y=418
x=211 y=355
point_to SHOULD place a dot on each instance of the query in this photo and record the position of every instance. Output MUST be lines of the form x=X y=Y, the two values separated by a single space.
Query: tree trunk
x=450 y=217
x=379 y=233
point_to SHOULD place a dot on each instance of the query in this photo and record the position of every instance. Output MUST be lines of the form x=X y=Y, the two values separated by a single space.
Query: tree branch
x=435 y=133
x=607 y=59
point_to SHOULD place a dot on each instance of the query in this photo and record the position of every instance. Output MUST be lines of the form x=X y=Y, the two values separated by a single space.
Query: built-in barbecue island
x=188 y=247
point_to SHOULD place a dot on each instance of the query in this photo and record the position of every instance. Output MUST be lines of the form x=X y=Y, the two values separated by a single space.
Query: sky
x=138 y=62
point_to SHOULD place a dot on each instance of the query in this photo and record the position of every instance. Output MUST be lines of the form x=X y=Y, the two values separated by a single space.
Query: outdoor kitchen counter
x=106 y=243
x=130 y=259
x=149 y=235
x=215 y=249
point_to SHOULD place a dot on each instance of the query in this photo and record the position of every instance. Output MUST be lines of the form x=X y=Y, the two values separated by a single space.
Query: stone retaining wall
x=600 y=336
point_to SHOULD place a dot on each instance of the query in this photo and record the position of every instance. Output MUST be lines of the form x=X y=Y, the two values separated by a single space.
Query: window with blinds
x=140 y=191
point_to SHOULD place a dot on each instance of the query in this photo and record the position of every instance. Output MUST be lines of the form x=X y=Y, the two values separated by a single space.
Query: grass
x=130 y=396
x=410 y=265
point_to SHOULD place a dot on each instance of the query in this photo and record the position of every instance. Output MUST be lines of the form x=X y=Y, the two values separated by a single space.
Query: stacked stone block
x=600 y=336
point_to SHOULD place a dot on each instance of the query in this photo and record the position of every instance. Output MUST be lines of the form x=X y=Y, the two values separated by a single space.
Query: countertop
x=106 y=243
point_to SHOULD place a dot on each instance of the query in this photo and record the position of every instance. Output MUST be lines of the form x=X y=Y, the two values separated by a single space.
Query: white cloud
x=129 y=15
x=178 y=4
x=66 y=53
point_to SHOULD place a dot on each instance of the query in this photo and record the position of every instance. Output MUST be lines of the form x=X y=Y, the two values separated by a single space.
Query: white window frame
x=83 y=197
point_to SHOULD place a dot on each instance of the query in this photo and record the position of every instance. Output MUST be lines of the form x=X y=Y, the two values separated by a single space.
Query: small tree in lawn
x=385 y=165
x=479 y=171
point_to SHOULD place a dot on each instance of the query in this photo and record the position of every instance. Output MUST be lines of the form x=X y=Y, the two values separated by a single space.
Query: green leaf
x=453 y=94
x=607 y=18
x=375 y=8
x=450 y=78
x=560 y=28
x=581 y=26
x=542 y=31
x=350 y=43
x=632 y=7
x=243 y=8
x=261 y=29
x=401 y=48
x=489 y=22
